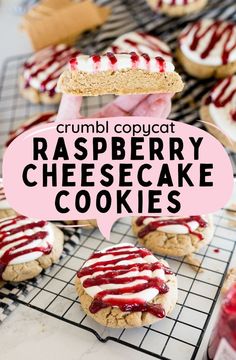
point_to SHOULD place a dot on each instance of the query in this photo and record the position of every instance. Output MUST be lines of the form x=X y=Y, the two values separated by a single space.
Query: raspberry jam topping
x=123 y=274
x=42 y=70
x=16 y=235
x=216 y=34
x=157 y=223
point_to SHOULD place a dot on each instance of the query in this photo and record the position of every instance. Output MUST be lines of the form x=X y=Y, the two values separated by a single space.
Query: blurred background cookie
x=207 y=48
x=177 y=8
x=141 y=43
x=40 y=73
x=27 y=247
x=114 y=291
x=174 y=236
x=218 y=111
x=38 y=119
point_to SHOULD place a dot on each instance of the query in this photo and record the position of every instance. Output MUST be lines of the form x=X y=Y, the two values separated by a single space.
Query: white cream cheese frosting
x=209 y=42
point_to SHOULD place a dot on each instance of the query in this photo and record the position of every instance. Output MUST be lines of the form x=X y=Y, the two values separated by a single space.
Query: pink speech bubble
x=39 y=201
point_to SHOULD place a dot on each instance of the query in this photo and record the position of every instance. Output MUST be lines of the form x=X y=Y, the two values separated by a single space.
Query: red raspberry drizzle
x=156 y=224
x=222 y=98
x=215 y=37
x=54 y=58
x=43 y=118
x=111 y=270
x=5 y=233
x=112 y=58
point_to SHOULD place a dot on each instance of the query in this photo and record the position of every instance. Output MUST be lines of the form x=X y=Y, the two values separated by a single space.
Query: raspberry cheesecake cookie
x=5 y=208
x=41 y=72
x=27 y=247
x=38 y=119
x=119 y=74
x=218 y=111
x=124 y=286
x=141 y=43
x=177 y=8
x=174 y=236
x=85 y=224
x=207 y=48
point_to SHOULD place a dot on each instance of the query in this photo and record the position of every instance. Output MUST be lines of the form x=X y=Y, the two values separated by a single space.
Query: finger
x=121 y=106
x=69 y=108
x=155 y=105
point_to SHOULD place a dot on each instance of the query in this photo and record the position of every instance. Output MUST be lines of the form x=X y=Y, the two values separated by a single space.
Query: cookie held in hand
x=124 y=286
x=119 y=74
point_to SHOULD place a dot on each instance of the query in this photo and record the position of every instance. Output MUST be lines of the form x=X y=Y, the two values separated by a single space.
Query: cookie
x=173 y=236
x=41 y=72
x=86 y=224
x=177 y=8
x=207 y=48
x=5 y=208
x=119 y=74
x=141 y=43
x=38 y=119
x=218 y=111
x=27 y=247
x=123 y=286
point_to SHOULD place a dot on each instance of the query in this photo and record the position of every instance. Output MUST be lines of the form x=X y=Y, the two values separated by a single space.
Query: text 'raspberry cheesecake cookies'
x=27 y=246
x=173 y=236
x=177 y=8
x=141 y=43
x=119 y=74
x=41 y=72
x=124 y=286
x=207 y=48
x=218 y=111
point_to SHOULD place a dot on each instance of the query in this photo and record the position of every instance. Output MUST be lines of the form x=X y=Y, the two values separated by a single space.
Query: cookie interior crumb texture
x=125 y=82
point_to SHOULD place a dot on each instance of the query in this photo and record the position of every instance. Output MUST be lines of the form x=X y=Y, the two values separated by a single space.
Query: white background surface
x=28 y=334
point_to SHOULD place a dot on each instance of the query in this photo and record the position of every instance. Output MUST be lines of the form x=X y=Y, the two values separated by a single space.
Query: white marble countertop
x=27 y=333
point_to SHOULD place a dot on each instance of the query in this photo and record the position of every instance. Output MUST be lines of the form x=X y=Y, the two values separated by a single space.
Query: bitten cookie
x=207 y=48
x=5 y=208
x=41 y=71
x=141 y=43
x=124 y=286
x=177 y=8
x=174 y=236
x=27 y=247
x=38 y=119
x=119 y=74
x=218 y=111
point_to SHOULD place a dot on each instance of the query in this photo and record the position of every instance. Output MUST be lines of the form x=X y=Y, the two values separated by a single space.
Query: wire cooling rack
x=179 y=336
